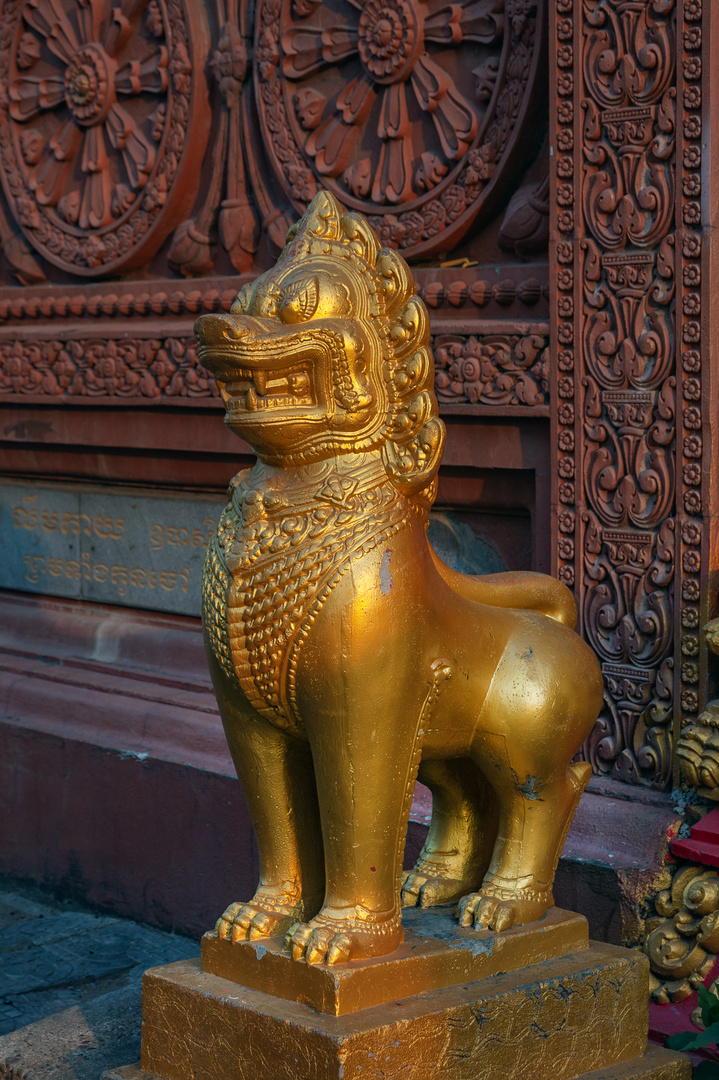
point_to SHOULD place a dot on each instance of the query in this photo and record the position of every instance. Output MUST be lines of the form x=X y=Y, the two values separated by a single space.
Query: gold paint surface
x=347 y=659
x=435 y=954
x=545 y=1022
x=655 y=1064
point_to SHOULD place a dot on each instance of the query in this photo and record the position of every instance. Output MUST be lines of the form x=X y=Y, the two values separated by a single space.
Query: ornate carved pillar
x=635 y=373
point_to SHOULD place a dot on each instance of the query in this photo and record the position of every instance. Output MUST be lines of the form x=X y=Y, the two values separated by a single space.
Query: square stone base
x=583 y=1015
x=655 y=1064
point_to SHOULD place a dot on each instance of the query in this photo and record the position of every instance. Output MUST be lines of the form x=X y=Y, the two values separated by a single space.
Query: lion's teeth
x=251 y=399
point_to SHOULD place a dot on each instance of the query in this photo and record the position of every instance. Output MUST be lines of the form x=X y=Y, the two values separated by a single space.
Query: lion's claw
x=483 y=911
x=335 y=941
x=254 y=920
x=425 y=890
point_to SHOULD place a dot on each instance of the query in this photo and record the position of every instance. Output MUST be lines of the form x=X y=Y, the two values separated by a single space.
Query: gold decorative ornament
x=682 y=937
x=347 y=659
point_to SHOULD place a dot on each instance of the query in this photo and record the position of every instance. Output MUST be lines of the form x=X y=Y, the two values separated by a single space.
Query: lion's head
x=328 y=353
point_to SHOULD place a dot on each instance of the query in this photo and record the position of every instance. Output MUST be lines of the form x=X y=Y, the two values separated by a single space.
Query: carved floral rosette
x=628 y=384
x=492 y=370
x=416 y=114
x=99 y=116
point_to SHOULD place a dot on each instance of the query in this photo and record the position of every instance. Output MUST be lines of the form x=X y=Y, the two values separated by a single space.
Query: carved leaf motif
x=95 y=203
x=28 y=51
x=309 y=106
x=481 y=21
x=332 y=143
x=358 y=178
x=629 y=58
x=393 y=181
x=453 y=116
x=48 y=180
x=31 y=144
x=49 y=19
x=429 y=172
x=307 y=50
x=30 y=96
x=137 y=152
x=149 y=75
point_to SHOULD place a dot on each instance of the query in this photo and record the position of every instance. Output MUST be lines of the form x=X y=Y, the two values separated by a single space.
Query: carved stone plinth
x=576 y=1013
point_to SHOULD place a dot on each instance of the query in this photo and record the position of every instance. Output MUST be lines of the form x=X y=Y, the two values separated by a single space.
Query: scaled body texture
x=347 y=658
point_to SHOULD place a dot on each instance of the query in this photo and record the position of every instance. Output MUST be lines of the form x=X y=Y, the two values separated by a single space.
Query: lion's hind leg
x=461 y=834
x=534 y=819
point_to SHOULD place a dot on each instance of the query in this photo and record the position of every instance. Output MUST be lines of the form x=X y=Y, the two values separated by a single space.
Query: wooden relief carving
x=87 y=368
x=416 y=114
x=493 y=369
x=101 y=114
x=629 y=416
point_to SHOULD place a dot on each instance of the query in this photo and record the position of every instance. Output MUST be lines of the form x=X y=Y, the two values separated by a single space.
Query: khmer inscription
x=121 y=546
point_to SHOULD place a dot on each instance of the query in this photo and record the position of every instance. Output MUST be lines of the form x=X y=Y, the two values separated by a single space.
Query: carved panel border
x=630 y=405
x=477 y=373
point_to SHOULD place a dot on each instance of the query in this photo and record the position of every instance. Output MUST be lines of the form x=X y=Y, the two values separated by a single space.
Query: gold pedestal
x=574 y=1012
x=436 y=953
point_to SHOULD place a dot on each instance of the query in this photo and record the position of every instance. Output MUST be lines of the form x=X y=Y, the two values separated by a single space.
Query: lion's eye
x=265 y=300
x=299 y=301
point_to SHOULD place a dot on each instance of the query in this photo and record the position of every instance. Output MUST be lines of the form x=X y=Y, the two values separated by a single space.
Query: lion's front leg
x=277 y=779
x=364 y=727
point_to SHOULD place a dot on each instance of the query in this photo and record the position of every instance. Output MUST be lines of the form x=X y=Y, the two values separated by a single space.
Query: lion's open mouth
x=253 y=389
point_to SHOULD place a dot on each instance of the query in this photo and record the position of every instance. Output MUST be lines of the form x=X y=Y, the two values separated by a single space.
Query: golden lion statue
x=347 y=659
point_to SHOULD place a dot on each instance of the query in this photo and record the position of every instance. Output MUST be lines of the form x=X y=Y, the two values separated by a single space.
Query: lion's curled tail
x=515 y=589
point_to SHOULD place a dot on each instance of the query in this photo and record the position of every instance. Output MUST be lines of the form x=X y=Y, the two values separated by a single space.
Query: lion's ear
x=396 y=281
x=412 y=464
x=362 y=238
x=241 y=304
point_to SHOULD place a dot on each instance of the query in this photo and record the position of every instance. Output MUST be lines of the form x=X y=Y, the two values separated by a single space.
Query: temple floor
x=70 y=985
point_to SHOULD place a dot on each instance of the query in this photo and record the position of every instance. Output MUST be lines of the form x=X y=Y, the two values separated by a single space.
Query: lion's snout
x=216 y=331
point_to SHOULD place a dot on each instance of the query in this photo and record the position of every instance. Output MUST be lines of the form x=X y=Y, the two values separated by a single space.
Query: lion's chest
x=267 y=573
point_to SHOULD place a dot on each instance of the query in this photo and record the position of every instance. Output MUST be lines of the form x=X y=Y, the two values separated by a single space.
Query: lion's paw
x=485 y=911
x=326 y=940
x=429 y=890
x=260 y=918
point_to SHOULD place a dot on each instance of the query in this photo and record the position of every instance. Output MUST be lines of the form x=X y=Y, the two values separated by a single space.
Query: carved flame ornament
x=346 y=657
x=95 y=114
x=406 y=110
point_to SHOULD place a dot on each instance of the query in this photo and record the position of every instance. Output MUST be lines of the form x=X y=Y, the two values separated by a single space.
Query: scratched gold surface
x=548 y=1022
x=655 y=1064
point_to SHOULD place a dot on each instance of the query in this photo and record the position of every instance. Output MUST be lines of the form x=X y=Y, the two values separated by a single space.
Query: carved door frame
x=635 y=358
